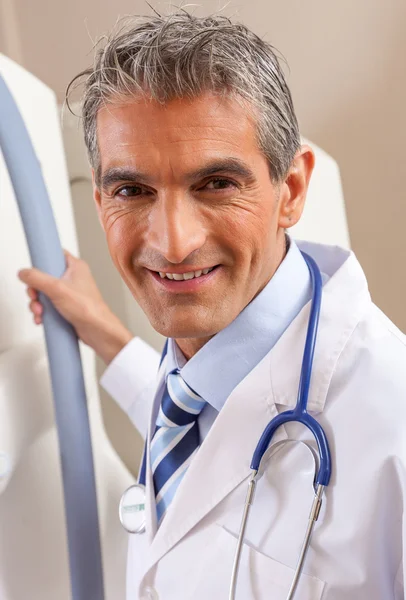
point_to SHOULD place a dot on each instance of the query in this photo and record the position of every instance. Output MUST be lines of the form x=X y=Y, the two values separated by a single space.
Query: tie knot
x=180 y=404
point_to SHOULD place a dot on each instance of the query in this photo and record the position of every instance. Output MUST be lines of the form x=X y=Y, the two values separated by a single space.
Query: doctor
x=198 y=171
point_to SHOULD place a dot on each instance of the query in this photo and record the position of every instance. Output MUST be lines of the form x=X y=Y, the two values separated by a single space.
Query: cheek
x=124 y=232
x=249 y=230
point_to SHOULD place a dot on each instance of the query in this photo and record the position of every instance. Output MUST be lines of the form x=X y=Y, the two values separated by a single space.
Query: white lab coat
x=358 y=394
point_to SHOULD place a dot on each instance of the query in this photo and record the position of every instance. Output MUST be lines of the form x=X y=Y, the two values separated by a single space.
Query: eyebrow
x=233 y=166
x=230 y=165
x=118 y=174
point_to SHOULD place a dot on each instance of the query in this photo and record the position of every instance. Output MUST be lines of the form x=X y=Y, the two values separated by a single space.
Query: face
x=193 y=221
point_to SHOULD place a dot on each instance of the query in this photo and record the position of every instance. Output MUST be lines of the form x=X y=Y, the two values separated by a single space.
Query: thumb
x=43 y=282
x=71 y=259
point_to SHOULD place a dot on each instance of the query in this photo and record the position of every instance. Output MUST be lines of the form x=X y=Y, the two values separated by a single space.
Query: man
x=198 y=171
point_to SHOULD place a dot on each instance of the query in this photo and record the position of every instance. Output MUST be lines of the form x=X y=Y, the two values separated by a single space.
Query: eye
x=220 y=183
x=129 y=191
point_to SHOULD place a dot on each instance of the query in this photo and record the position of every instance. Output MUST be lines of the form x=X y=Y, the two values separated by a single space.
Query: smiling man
x=198 y=171
x=194 y=222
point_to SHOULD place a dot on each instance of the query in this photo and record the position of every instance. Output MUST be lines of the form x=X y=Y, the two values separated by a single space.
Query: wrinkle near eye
x=111 y=217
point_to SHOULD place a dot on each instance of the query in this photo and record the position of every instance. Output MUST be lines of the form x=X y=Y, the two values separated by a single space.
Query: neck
x=190 y=346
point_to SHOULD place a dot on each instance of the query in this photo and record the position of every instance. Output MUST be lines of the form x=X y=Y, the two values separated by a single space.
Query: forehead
x=182 y=133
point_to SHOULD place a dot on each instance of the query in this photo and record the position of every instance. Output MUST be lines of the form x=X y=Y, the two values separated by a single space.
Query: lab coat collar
x=223 y=460
x=344 y=300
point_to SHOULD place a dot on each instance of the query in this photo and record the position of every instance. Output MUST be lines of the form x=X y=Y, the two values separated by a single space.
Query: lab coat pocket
x=260 y=577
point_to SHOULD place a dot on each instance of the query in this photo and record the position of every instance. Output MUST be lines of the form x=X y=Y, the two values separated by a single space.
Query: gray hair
x=181 y=55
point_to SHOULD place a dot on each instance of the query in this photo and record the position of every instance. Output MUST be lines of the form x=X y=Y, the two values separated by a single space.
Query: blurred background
x=347 y=73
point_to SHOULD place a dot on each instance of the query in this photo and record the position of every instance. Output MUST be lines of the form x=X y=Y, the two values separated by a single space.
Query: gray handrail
x=68 y=387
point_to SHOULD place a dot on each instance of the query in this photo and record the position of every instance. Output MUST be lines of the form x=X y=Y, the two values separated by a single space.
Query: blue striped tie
x=175 y=440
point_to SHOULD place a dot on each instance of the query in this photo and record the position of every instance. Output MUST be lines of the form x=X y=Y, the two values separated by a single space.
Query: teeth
x=185 y=276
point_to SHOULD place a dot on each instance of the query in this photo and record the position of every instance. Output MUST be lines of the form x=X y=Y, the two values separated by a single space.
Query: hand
x=78 y=299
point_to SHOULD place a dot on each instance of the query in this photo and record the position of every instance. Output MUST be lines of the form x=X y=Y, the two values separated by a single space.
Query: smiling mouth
x=185 y=276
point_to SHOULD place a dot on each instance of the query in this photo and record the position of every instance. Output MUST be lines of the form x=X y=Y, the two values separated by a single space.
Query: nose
x=176 y=228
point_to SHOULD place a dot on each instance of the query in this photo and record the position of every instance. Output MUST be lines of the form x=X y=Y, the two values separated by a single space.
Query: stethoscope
x=132 y=505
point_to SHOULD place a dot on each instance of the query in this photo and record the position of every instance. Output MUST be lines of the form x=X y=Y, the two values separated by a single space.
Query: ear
x=294 y=189
x=97 y=198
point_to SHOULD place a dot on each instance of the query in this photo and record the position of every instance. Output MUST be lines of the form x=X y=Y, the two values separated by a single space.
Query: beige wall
x=348 y=77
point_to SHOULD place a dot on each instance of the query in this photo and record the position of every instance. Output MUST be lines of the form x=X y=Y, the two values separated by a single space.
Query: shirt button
x=150 y=594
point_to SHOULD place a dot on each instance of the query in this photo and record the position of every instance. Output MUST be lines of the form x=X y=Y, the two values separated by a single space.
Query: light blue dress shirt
x=227 y=358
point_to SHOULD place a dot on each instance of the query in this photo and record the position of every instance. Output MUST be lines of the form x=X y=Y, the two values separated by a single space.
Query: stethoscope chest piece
x=132 y=509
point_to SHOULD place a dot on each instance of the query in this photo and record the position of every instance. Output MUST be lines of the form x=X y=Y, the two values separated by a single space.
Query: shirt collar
x=229 y=356
x=175 y=359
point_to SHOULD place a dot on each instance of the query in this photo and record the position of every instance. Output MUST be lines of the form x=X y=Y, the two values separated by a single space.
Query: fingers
x=36 y=308
x=68 y=256
x=32 y=293
x=37 y=280
x=37 y=320
x=70 y=259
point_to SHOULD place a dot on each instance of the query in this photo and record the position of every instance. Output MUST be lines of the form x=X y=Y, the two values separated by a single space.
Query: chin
x=184 y=327
x=185 y=331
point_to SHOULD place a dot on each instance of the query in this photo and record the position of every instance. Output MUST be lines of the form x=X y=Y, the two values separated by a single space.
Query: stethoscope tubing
x=299 y=413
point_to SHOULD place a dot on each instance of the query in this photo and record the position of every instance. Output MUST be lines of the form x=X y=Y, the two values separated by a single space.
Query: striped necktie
x=176 y=439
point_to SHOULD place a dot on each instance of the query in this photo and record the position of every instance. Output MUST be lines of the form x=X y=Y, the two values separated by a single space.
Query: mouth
x=186 y=281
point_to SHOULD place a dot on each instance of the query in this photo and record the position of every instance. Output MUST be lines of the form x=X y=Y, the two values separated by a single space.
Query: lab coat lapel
x=223 y=460
x=346 y=288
